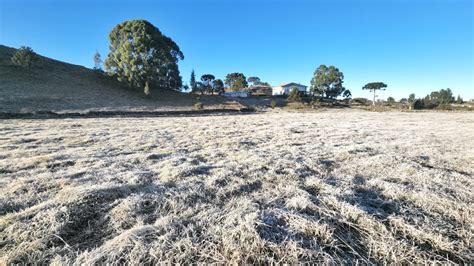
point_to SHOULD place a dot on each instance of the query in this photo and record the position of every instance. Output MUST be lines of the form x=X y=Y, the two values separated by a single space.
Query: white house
x=284 y=89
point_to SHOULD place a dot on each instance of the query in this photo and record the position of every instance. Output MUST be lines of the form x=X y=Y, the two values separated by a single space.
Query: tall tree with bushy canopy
x=236 y=81
x=374 y=86
x=140 y=54
x=327 y=81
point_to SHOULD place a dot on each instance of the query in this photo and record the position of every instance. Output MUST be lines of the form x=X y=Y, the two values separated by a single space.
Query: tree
x=327 y=81
x=192 y=82
x=443 y=96
x=374 y=86
x=97 y=61
x=254 y=80
x=403 y=100
x=207 y=80
x=140 y=53
x=24 y=57
x=391 y=100
x=294 y=95
x=411 y=98
x=218 y=86
x=200 y=87
x=459 y=100
x=235 y=81
x=347 y=94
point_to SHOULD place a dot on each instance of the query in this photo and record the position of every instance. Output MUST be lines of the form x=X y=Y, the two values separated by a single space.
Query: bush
x=273 y=104
x=418 y=104
x=294 y=95
x=24 y=57
x=362 y=101
x=198 y=105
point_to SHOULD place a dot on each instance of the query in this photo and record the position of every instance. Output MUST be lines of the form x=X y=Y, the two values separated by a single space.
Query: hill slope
x=53 y=85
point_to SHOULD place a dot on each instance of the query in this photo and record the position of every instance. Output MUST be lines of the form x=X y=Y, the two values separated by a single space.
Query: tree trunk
x=373 y=102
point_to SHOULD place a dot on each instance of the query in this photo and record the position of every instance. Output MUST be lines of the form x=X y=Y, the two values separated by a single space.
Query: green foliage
x=24 y=57
x=140 y=53
x=459 y=100
x=192 y=82
x=443 y=96
x=391 y=100
x=207 y=81
x=236 y=81
x=403 y=100
x=254 y=80
x=418 y=104
x=97 y=61
x=362 y=101
x=218 y=86
x=273 y=104
x=347 y=94
x=327 y=81
x=374 y=86
x=294 y=95
x=411 y=98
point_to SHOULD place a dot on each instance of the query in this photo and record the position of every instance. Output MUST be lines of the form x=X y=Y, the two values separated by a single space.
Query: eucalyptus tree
x=142 y=56
x=327 y=81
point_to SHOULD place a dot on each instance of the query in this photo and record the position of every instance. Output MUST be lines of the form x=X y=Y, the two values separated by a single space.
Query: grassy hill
x=53 y=85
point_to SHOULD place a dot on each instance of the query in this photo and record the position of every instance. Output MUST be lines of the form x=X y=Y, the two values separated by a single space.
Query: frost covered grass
x=326 y=187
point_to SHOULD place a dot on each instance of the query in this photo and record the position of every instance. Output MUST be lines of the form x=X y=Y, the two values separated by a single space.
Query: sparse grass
x=332 y=187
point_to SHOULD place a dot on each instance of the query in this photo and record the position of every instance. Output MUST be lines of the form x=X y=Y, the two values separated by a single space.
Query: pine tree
x=97 y=61
x=192 y=82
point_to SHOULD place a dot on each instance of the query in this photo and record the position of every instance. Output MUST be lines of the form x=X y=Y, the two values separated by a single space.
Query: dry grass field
x=336 y=186
x=52 y=85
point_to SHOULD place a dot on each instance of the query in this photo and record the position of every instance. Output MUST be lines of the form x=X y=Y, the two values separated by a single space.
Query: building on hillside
x=284 y=89
x=261 y=90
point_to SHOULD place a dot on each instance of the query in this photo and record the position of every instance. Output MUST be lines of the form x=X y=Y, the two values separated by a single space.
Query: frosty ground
x=336 y=186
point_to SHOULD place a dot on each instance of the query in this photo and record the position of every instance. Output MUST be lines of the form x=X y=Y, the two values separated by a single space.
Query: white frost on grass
x=331 y=187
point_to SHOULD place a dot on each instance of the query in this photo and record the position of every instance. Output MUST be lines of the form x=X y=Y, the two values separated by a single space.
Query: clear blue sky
x=413 y=46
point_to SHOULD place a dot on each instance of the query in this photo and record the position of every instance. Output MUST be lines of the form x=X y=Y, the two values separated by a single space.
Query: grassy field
x=57 y=86
x=277 y=187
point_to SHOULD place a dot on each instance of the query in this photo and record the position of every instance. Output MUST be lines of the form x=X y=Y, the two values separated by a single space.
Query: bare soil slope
x=53 y=85
x=278 y=187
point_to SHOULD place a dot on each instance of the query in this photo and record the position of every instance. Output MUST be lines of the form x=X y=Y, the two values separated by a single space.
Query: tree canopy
x=254 y=80
x=218 y=86
x=374 y=86
x=327 y=81
x=140 y=54
x=235 y=81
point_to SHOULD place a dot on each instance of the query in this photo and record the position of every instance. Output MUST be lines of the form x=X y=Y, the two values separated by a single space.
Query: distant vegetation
x=24 y=57
x=235 y=81
x=327 y=82
x=374 y=86
x=436 y=99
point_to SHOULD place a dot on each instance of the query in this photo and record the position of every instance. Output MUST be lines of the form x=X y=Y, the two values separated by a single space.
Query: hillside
x=53 y=85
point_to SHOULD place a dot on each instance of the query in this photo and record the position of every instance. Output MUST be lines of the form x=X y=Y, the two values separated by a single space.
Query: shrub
x=273 y=104
x=198 y=105
x=362 y=101
x=294 y=95
x=418 y=104
x=24 y=57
